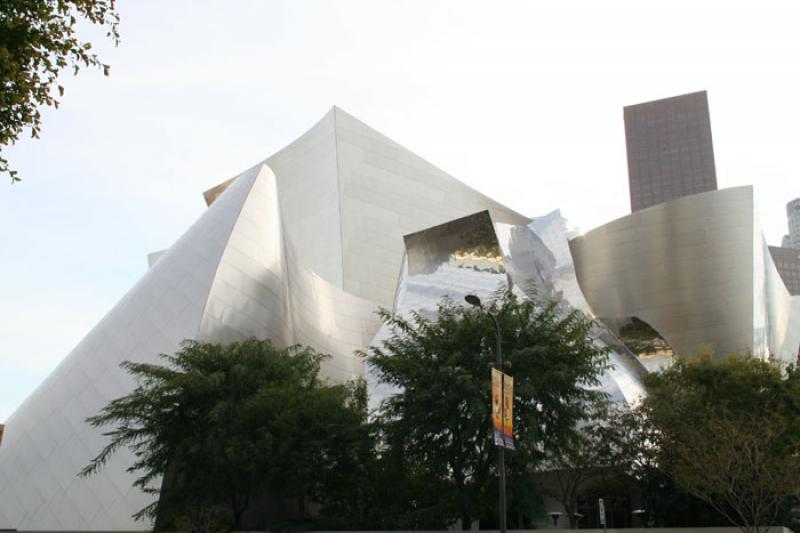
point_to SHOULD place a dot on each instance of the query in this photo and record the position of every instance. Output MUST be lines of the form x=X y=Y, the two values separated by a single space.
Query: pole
x=602 y=508
x=501 y=456
x=501 y=451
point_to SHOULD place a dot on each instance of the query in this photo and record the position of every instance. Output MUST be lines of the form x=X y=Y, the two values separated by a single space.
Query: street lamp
x=555 y=515
x=640 y=514
x=501 y=455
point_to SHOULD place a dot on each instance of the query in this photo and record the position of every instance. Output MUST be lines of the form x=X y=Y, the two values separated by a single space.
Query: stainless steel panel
x=697 y=270
x=471 y=255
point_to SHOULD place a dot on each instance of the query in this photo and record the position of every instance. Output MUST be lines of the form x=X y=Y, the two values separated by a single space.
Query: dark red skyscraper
x=670 y=153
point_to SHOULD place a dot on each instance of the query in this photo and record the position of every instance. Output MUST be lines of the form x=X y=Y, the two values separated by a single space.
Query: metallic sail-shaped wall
x=301 y=248
x=47 y=440
x=306 y=245
x=474 y=255
x=696 y=269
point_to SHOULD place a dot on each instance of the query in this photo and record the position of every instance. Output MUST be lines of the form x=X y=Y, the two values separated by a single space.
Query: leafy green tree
x=38 y=39
x=666 y=504
x=729 y=434
x=394 y=495
x=230 y=425
x=438 y=425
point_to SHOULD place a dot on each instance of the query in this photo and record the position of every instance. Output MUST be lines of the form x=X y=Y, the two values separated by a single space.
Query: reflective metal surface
x=454 y=259
x=301 y=248
x=698 y=271
x=472 y=255
x=349 y=194
x=47 y=441
x=305 y=246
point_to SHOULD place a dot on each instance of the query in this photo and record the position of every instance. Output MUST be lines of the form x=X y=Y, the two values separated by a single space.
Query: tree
x=228 y=425
x=593 y=452
x=665 y=503
x=729 y=434
x=438 y=424
x=38 y=39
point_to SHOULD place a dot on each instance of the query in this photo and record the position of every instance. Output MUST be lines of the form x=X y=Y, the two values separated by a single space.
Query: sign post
x=602 y=508
x=499 y=397
x=503 y=428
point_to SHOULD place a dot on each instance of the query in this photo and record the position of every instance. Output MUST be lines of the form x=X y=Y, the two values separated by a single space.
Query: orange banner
x=503 y=409
x=508 y=411
x=497 y=406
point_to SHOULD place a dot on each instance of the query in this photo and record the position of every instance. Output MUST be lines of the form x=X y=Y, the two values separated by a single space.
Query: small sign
x=602 y=511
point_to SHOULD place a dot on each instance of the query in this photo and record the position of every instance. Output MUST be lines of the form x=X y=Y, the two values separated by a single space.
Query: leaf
x=439 y=420
x=228 y=421
x=44 y=43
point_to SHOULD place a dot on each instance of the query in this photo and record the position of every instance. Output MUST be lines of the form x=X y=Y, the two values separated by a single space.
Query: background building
x=792 y=240
x=670 y=152
x=671 y=155
x=787 y=261
x=786 y=256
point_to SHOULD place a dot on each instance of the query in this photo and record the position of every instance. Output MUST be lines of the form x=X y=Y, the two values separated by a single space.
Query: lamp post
x=501 y=455
x=555 y=515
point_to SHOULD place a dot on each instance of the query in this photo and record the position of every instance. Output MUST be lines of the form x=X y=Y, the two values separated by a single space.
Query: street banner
x=508 y=411
x=497 y=406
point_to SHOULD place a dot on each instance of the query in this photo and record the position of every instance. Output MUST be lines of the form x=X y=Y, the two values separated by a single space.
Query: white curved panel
x=331 y=320
x=249 y=296
x=697 y=270
x=349 y=194
x=46 y=441
x=262 y=290
x=301 y=248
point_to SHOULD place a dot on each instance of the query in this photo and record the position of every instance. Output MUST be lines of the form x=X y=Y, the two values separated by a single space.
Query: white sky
x=522 y=101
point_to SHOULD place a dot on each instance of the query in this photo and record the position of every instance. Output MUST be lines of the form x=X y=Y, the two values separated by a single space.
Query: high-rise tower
x=787 y=256
x=792 y=240
x=670 y=153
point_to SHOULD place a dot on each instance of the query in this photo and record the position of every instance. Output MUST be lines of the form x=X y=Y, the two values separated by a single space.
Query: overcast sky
x=522 y=101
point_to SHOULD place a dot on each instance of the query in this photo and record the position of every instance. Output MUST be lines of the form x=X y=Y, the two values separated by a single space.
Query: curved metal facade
x=301 y=248
x=697 y=270
x=474 y=255
x=306 y=245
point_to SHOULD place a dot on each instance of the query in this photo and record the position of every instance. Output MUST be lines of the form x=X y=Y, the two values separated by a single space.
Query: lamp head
x=473 y=300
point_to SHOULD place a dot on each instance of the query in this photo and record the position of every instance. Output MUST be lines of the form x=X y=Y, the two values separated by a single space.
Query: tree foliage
x=593 y=453
x=437 y=426
x=727 y=433
x=230 y=424
x=38 y=39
